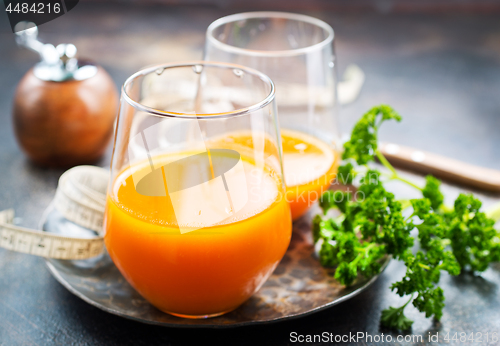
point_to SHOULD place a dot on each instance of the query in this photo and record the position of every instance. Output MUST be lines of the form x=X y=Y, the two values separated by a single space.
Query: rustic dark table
x=441 y=72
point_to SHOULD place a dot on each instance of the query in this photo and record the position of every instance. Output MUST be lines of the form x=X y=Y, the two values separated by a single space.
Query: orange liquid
x=207 y=271
x=310 y=166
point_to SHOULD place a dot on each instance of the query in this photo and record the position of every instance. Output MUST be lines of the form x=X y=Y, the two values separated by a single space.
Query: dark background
x=436 y=62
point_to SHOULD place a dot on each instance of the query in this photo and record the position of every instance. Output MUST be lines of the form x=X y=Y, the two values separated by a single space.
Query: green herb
x=372 y=227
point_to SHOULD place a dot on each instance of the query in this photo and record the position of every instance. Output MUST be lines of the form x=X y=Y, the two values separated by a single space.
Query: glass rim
x=241 y=111
x=269 y=14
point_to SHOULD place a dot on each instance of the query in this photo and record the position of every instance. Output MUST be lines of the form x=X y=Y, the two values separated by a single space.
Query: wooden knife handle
x=442 y=167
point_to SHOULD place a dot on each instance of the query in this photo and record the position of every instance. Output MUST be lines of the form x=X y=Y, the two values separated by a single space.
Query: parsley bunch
x=372 y=227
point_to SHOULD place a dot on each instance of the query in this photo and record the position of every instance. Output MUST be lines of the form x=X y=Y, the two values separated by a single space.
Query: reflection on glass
x=296 y=51
x=196 y=217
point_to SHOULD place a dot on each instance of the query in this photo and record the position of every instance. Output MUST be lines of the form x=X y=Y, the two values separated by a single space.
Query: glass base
x=198 y=317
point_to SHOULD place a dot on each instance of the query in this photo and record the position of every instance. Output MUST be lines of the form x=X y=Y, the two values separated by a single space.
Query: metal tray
x=299 y=286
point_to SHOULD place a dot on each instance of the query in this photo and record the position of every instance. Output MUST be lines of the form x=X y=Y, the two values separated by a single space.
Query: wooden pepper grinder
x=64 y=108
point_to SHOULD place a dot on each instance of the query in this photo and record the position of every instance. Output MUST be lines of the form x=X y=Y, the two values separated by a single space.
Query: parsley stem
x=398 y=177
x=408 y=302
x=364 y=251
x=395 y=174
x=386 y=163
x=424 y=266
x=442 y=266
x=405 y=203
x=409 y=217
x=446 y=209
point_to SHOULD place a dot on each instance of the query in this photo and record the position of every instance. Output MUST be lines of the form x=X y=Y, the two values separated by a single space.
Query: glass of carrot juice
x=296 y=51
x=196 y=217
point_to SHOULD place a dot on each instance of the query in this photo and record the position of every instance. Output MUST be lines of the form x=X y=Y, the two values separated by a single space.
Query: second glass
x=296 y=51
x=196 y=218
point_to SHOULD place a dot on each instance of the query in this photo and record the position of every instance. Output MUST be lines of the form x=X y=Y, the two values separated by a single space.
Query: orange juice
x=310 y=165
x=213 y=268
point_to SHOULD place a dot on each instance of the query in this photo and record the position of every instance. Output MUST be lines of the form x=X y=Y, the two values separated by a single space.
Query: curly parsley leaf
x=474 y=241
x=373 y=227
x=364 y=142
x=431 y=302
x=331 y=199
x=346 y=174
x=395 y=318
x=432 y=192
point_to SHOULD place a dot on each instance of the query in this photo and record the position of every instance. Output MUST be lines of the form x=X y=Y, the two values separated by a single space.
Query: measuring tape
x=80 y=198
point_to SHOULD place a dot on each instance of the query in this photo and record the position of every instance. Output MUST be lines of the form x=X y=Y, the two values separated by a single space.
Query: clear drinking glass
x=296 y=51
x=196 y=218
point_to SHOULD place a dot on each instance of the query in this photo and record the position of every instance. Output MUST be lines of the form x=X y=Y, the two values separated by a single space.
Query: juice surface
x=310 y=165
x=211 y=269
